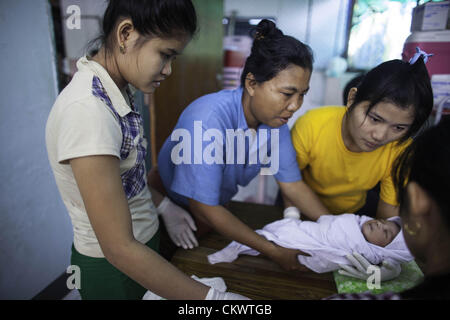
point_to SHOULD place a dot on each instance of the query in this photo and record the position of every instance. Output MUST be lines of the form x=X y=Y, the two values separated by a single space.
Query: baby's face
x=380 y=232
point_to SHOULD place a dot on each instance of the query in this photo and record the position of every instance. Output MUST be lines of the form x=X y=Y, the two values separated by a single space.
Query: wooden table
x=255 y=277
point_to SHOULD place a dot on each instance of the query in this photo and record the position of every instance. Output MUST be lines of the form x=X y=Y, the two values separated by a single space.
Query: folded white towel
x=328 y=241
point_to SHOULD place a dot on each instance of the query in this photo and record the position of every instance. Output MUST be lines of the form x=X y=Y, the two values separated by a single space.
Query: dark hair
x=402 y=84
x=272 y=52
x=162 y=18
x=427 y=162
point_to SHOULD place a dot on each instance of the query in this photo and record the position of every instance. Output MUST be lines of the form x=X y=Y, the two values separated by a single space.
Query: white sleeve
x=87 y=128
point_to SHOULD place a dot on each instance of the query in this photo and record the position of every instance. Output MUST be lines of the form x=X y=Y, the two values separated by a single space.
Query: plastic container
x=436 y=42
x=236 y=51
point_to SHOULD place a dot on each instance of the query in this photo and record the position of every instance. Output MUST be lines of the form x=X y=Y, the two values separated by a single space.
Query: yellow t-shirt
x=339 y=177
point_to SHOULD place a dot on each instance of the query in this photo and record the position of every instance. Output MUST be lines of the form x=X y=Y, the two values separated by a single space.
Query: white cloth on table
x=328 y=241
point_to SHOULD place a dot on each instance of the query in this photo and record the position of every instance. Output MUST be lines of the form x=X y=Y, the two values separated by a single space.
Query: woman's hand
x=214 y=294
x=287 y=258
x=299 y=194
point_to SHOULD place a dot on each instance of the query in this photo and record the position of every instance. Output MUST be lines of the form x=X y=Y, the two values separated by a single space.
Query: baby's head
x=380 y=232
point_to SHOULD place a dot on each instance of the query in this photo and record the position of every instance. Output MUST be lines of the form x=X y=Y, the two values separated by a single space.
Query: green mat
x=410 y=276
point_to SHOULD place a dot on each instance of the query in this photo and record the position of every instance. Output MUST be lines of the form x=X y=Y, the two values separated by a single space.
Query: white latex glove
x=214 y=294
x=291 y=212
x=179 y=224
x=388 y=269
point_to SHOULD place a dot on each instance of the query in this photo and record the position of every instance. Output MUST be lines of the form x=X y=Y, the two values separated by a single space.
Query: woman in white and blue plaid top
x=96 y=148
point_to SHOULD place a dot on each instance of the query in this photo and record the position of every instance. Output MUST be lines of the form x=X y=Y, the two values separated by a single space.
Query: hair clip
x=259 y=36
x=418 y=54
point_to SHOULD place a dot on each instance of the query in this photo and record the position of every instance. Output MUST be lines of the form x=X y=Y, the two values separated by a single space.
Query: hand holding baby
x=360 y=268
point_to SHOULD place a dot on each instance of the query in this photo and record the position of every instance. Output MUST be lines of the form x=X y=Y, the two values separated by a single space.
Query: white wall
x=35 y=231
x=323 y=29
x=76 y=40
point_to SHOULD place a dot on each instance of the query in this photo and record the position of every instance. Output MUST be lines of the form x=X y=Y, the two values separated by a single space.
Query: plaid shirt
x=133 y=180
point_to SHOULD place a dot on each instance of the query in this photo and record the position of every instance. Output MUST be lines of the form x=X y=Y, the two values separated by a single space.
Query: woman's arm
x=386 y=210
x=300 y=195
x=179 y=223
x=100 y=185
x=157 y=197
x=155 y=186
x=224 y=222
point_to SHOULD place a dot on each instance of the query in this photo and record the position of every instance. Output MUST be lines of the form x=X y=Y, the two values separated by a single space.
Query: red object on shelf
x=436 y=42
x=234 y=59
x=236 y=51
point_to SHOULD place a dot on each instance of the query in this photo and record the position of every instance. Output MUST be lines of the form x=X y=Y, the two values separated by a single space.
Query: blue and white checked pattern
x=133 y=180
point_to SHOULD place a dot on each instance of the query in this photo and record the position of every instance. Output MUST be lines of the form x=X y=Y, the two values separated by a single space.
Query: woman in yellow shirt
x=343 y=152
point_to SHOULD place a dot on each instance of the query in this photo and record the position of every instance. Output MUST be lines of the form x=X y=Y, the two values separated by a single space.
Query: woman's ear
x=351 y=96
x=250 y=83
x=125 y=33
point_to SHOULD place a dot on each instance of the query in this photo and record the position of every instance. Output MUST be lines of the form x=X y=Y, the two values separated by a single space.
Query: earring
x=410 y=231
x=122 y=48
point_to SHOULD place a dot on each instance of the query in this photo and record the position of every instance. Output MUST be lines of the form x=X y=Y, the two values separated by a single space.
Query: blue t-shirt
x=211 y=151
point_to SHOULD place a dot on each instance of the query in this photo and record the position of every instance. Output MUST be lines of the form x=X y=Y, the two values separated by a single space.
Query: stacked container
x=430 y=31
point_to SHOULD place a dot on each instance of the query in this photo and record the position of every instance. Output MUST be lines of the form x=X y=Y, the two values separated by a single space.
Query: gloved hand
x=214 y=294
x=291 y=212
x=388 y=269
x=179 y=224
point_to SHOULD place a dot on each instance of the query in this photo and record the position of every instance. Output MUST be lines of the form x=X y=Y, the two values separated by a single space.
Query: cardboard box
x=431 y=16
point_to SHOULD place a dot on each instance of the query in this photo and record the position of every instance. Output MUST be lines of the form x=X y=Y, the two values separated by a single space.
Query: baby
x=379 y=231
x=329 y=240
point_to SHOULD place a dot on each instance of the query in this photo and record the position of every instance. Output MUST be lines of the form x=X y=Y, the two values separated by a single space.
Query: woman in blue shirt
x=225 y=139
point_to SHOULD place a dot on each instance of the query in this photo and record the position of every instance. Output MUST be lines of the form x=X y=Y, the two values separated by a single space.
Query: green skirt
x=100 y=280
